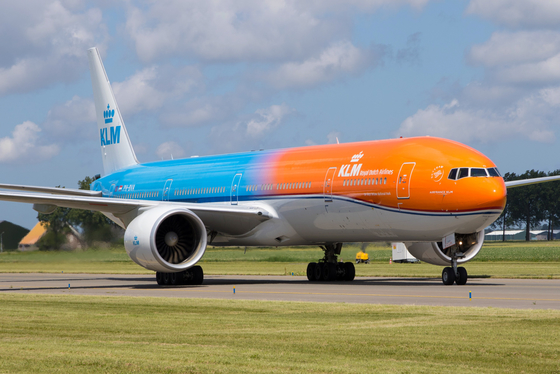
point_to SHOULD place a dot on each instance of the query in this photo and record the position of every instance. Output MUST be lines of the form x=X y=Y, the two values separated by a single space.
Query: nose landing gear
x=328 y=268
x=454 y=274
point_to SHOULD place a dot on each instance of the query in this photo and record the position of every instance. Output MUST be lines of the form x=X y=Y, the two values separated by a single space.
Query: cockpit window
x=493 y=172
x=452 y=174
x=463 y=173
x=478 y=172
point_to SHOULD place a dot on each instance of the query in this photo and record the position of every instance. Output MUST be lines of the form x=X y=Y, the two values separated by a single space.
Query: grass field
x=502 y=260
x=78 y=334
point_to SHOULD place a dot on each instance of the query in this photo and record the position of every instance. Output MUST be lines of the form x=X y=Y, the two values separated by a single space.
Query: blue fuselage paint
x=197 y=179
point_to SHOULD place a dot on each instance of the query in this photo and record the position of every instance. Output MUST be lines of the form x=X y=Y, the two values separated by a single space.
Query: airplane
x=433 y=194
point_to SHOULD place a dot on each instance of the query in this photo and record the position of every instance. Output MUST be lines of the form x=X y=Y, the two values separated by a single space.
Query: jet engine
x=166 y=239
x=465 y=248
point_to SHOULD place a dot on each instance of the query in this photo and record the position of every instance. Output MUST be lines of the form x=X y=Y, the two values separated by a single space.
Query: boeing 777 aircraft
x=435 y=195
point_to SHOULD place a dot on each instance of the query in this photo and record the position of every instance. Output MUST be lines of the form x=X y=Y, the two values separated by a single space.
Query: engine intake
x=466 y=247
x=166 y=239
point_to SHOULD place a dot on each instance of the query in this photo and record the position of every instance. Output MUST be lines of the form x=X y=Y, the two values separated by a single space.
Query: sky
x=216 y=76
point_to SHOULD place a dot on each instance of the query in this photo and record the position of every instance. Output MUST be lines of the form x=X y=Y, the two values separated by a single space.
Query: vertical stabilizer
x=116 y=149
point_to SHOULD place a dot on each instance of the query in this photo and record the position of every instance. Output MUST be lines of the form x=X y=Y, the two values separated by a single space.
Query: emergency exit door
x=403 y=180
x=327 y=187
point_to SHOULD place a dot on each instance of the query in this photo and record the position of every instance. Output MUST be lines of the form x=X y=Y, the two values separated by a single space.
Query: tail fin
x=116 y=149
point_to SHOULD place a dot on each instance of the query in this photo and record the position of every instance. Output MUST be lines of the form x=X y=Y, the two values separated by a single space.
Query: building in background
x=11 y=235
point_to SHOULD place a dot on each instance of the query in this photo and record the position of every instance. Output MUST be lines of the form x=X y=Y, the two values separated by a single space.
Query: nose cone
x=494 y=193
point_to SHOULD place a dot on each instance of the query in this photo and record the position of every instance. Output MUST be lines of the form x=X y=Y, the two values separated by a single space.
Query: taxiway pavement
x=489 y=292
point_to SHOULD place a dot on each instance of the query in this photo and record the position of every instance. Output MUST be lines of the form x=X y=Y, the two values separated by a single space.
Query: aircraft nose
x=495 y=193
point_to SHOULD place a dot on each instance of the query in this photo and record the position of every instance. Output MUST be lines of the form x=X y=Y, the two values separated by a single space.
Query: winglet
x=116 y=148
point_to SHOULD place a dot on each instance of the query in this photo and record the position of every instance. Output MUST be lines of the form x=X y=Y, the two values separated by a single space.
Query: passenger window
x=463 y=173
x=478 y=172
x=453 y=174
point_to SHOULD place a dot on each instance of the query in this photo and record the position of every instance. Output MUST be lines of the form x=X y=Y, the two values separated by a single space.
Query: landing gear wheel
x=319 y=272
x=197 y=275
x=329 y=272
x=159 y=278
x=349 y=271
x=448 y=276
x=311 y=271
x=175 y=278
x=462 y=280
x=166 y=279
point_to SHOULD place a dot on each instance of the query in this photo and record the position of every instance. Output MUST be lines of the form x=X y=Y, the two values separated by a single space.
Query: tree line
x=90 y=226
x=532 y=206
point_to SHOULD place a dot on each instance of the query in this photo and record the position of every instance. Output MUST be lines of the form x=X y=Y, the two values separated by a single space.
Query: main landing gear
x=329 y=269
x=454 y=274
x=192 y=276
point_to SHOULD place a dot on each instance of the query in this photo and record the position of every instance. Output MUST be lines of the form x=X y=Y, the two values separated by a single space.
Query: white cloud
x=509 y=48
x=337 y=60
x=523 y=58
x=518 y=13
x=533 y=117
x=148 y=89
x=170 y=150
x=248 y=133
x=228 y=31
x=542 y=72
x=267 y=119
x=73 y=119
x=45 y=42
x=255 y=30
x=24 y=145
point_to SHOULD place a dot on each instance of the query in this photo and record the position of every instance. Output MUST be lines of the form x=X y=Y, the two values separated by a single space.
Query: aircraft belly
x=310 y=221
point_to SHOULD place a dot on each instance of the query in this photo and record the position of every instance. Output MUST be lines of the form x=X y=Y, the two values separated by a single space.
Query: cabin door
x=166 y=190
x=328 y=186
x=403 y=180
x=235 y=189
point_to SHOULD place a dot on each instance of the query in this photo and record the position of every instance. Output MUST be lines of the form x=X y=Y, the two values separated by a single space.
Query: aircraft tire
x=462 y=280
x=448 y=276
x=175 y=278
x=166 y=279
x=349 y=271
x=319 y=272
x=197 y=275
x=329 y=272
x=159 y=278
x=311 y=271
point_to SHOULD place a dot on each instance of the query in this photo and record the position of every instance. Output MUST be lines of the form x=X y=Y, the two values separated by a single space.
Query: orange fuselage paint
x=408 y=174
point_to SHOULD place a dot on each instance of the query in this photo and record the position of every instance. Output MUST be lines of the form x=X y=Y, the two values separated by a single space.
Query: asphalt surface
x=499 y=293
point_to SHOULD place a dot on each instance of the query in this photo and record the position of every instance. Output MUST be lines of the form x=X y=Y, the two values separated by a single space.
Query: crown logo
x=357 y=157
x=109 y=114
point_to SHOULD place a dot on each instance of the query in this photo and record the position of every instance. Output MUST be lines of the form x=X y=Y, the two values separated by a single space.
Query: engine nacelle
x=466 y=245
x=166 y=239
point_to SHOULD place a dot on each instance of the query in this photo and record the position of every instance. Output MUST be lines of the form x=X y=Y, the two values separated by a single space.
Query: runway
x=498 y=293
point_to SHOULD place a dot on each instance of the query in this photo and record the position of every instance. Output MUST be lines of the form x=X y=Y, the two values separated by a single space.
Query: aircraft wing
x=526 y=182
x=227 y=219
x=52 y=190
